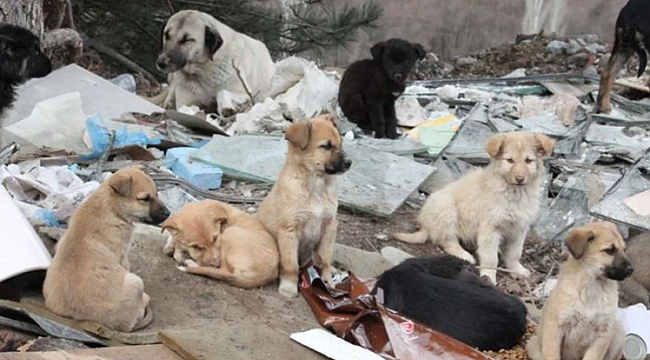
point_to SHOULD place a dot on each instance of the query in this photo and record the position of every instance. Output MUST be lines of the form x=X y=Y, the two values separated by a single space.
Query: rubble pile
x=537 y=55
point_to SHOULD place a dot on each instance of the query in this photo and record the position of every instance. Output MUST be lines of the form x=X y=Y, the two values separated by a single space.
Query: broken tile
x=436 y=134
x=612 y=206
x=398 y=146
x=378 y=182
x=447 y=171
x=469 y=144
x=548 y=124
x=409 y=112
x=614 y=135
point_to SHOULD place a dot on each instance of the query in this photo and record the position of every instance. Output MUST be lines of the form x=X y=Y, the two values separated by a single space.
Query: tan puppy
x=89 y=278
x=579 y=318
x=300 y=211
x=491 y=207
x=219 y=241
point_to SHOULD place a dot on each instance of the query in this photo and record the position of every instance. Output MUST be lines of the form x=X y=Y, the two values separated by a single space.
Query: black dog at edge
x=447 y=294
x=21 y=59
x=632 y=36
x=370 y=87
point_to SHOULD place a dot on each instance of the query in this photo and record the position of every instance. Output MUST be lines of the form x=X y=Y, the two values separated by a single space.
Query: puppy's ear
x=121 y=184
x=419 y=50
x=578 y=240
x=213 y=40
x=299 y=134
x=494 y=145
x=139 y=167
x=171 y=226
x=543 y=144
x=217 y=227
x=332 y=118
x=161 y=35
x=377 y=49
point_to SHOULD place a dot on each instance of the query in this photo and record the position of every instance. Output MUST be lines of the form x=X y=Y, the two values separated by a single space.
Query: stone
x=465 y=61
x=394 y=255
x=556 y=46
x=573 y=47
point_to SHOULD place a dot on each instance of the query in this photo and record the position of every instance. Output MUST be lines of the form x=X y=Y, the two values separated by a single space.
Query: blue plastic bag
x=98 y=130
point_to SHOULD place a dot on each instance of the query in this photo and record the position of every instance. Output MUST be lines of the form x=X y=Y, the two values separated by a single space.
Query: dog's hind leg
x=419 y=237
x=621 y=53
x=376 y=117
x=391 y=120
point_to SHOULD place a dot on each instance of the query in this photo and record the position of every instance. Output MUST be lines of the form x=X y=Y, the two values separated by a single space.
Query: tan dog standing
x=219 y=241
x=579 y=318
x=89 y=277
x=300 y=211
x=489 y=208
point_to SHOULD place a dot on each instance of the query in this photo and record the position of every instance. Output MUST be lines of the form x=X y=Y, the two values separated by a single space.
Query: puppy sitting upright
x=223 y=242
x=300 y=211
x=21 y=59
x=579 y=318
x=370 y=87
x=89 y=277
x=489 y=208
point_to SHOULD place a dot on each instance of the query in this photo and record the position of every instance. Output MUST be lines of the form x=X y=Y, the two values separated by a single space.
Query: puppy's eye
x=197 y=247
x=528 y=161
x=184 y=41
x=327 y=146
x=510 y=161
x=610 y=251
x=146 y=199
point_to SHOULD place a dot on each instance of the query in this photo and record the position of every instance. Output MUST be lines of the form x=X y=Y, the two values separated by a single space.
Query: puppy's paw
x=288 y=288
x=169 y=247
x=490 y=275
x=189 y=263
x=520 y=270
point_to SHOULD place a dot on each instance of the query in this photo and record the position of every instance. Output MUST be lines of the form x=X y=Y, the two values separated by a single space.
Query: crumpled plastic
x=98 y=131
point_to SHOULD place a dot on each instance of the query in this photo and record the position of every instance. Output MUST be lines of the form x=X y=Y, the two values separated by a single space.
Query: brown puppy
x=300 y=211
x=89 y=278
x=489 y=209
x=219 y=241
x=579 y=319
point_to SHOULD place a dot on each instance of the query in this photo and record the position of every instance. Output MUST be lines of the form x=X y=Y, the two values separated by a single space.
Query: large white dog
x=203 y=57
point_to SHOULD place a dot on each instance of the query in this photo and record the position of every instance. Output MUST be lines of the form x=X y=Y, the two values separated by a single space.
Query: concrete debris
x=557 y=47
x=395 y=255
x=564 y=106
x=265 y=117
x=409 y=112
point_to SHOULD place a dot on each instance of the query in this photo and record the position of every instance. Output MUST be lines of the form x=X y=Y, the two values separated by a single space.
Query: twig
x=122 y=60
x=68 y=14
x=105 y=155
x=496 y=268
x=248 y=91
x=372 y=246
x=530 y=292
x=169 y=5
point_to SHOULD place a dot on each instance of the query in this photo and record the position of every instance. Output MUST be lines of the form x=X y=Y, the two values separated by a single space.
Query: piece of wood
x=146 y=352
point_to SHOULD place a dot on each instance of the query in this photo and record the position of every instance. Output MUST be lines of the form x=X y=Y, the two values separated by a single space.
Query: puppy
x=370 y=87
x=89 y=277
x=636 y=288
x=632 y=35
x=300 y=211
x=489 y=209
x=579 y=318
x=203 y=57
x=219 y=241
x=21 y=59
x=447 y=294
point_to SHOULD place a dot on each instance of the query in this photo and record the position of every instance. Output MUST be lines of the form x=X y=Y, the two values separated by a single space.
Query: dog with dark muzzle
x=370 y=87
x=204 y=57
x=90 y=278
x=300 y=211
x=579 y=318
x=632 y=35
x=21 y=59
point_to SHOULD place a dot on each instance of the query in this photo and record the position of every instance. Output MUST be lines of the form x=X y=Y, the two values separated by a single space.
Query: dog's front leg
x=376 y=117
x=391 y=120
x=513 y=248
x=598 y=348
x=551 y=342
x=488 y=253
x=288 y=242
x=325 y=250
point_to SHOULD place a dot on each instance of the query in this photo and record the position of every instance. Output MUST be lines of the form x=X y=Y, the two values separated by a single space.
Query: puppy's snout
x=158 y=212
x=162 y=62
x=519 y=179
x=399 y=76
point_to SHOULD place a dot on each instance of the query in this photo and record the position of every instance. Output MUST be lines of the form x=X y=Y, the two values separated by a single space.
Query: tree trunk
x=25 y=13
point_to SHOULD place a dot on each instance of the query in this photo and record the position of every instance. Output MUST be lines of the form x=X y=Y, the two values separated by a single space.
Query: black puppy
x=21 y=59
x=370 y=87
x=632 y=35
x=447 y=294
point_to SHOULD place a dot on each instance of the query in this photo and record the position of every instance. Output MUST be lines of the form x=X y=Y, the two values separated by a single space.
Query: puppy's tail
x=419 y=237
x=224 y=275
x=145 y=321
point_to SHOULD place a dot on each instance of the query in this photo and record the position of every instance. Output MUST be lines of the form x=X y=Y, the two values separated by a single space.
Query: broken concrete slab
x=447 y=171
x=361 y=263
x=377 y=183
x=548 y=124
x=97 y=94
x=612 y=207
x=409 y=111
x=469 y=144
x=615 y=135
x=145 y=352
x=399 y=147
x=394 y=255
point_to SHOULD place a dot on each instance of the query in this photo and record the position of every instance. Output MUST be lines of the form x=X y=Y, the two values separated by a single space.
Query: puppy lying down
x=447 y=294
x=219 y=241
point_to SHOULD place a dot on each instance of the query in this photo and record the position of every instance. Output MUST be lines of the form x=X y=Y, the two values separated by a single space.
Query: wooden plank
x=145 y=352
